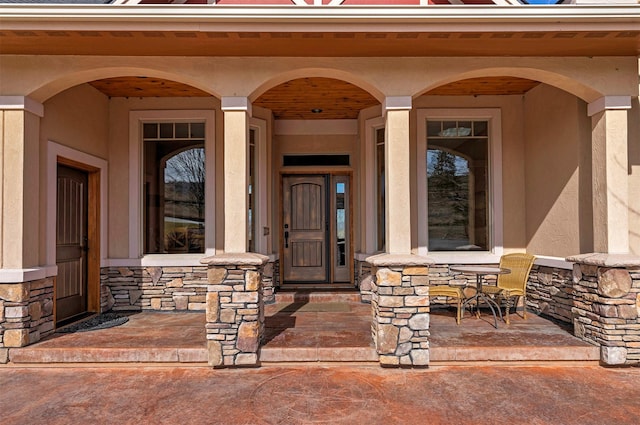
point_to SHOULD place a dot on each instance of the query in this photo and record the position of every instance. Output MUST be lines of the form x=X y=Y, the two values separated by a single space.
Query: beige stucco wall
x=81 y=116
x=77 y=118
x=44 y=76
x=557 y=134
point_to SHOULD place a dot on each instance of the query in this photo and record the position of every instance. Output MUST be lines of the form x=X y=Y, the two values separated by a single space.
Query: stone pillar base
x=234 y=309
x=26 y=312
x=606 y=305
x=400 y=299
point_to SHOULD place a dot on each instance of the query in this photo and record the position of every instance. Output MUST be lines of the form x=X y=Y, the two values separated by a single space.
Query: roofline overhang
x=324 y=18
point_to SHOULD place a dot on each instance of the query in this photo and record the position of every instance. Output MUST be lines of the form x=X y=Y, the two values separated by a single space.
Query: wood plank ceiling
x=298 y=99
x=318 y=44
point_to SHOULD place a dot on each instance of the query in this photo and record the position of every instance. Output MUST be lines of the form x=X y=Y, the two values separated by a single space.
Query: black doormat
x=102 y=321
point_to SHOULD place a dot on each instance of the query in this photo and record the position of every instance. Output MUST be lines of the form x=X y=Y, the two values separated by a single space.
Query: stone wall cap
x=238 y=259
x=606 y=260
x=382 y=260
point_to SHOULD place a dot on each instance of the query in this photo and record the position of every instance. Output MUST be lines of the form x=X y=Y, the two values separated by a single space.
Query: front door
x=71 y=243
x=315 y=229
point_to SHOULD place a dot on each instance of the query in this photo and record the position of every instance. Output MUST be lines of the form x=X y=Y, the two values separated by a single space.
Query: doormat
x=102 y=321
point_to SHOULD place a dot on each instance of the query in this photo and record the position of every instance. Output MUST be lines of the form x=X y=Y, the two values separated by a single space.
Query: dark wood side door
x=71 y=243
x=305 y=229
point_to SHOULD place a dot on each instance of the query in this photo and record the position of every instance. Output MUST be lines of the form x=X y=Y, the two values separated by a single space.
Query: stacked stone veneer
x=550 y=292
x=235 y=309
x=400 y=302
x=26 y=312
x=137 y=288
x=153 y=288
x=606 y=305
x=363 y=279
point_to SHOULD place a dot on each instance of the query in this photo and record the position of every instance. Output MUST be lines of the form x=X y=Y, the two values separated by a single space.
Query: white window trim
x=136 y=119
x=371 y=182
x=55 y=151
x=262 y=241
x=495 y=208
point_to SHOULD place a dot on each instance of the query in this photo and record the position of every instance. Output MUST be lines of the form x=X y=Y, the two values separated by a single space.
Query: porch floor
x=303 y=327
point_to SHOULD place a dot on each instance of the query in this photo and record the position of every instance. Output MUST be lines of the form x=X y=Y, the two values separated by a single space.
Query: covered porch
x=303 y=327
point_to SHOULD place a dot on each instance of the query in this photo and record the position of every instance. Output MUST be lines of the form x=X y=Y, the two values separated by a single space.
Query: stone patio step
x=317 y=354
x=107 y=355
x=308 y=296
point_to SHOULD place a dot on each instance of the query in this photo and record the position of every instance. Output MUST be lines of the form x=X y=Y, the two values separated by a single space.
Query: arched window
x=174 y=188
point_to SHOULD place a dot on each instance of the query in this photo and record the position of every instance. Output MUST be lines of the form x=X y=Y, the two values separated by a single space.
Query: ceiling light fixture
x=316 y=110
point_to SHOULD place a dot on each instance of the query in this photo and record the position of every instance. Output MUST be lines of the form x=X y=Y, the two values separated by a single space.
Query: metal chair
x=513 y=284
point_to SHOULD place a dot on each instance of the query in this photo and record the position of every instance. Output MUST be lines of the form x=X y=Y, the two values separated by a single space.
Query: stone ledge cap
x=237 y=259
x=396 y=260
x=606 y=260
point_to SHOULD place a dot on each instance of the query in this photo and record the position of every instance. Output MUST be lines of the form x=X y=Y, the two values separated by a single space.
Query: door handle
x=85 y=244
x=286 y=236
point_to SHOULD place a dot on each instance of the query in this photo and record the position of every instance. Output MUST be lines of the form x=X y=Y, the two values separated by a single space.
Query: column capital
x=22 y=103
x=235 y=103
x=397 y=103
x=608 y=103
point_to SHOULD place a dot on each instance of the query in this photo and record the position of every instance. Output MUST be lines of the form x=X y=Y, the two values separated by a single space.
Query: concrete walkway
x=319 y=395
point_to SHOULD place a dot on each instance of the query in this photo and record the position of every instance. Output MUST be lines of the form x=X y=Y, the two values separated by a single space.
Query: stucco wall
x=77 y=118
x=557 y=134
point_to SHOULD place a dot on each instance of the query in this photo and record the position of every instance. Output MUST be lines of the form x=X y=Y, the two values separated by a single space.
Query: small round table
x=481 y=271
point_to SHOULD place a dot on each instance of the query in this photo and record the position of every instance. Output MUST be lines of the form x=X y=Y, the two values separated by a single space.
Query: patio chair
x=449 y=292
x=514 y=284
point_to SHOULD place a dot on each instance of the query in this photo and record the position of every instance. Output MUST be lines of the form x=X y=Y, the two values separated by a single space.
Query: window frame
x=262 y=241
x=136 y=179
x=372 y=126
x=495 y=202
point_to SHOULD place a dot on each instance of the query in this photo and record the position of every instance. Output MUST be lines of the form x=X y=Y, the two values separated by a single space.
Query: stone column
x=609 y=153
x=26 y=295
x=606 y=305
x=397 y=175
x=235 y=309
x=237 y=111
x=400 y=303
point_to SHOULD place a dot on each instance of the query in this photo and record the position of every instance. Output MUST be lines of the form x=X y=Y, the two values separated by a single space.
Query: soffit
x=319 y=44
x=297 y=98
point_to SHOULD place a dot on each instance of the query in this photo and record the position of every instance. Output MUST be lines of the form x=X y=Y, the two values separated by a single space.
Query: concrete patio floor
x=316 y=328
x=318 y=394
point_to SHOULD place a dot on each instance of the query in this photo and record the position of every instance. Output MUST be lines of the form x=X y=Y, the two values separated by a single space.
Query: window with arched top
x=459 y=183
x=174 y=188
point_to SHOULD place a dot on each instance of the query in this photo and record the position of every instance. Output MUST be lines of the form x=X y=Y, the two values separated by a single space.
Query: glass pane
x=341 y=257
x=182 y=130
x=150 y=131
x=251 y=231
x=174 y=196
x=197 y=130
x=457 y=191
x=480 y=128
x=166 y=131
x=434 y=128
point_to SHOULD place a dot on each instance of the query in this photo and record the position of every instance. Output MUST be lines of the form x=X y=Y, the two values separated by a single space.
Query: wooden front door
x=305 y=228
x=71 y=243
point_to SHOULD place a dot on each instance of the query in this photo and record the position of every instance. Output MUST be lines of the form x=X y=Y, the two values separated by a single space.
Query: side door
x=71 y=242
